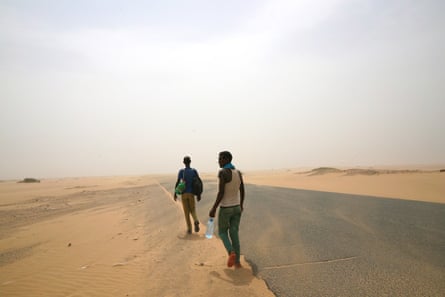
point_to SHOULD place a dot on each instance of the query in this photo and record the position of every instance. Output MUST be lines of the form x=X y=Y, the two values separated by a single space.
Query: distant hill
x=29 y=180
x=356 y=171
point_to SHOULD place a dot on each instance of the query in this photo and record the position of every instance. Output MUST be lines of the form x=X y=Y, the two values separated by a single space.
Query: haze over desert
x=332 y=109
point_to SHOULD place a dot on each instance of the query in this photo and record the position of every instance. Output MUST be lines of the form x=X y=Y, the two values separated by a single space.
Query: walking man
x=230 y=198
x=188 y=198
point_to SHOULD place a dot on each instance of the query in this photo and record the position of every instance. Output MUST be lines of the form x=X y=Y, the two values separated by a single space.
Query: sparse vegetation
x=324 y=170
x=29 y=180
x=361 y=171
x=358 y=171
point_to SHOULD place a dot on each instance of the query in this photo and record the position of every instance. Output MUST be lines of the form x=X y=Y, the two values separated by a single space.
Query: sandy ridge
x=420 y=185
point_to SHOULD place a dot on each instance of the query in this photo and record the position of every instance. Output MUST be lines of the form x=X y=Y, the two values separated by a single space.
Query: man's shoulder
x=195 y=171
x=224 y=170
x=229 y=170
x=225 y=173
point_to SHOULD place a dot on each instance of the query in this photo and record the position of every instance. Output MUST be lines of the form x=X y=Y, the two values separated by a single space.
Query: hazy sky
x=130 y=87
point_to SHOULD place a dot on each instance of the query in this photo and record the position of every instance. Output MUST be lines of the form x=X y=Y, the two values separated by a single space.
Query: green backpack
x=181 y=186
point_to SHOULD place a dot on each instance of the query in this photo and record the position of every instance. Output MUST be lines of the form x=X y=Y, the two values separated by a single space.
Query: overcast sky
x=130 y=87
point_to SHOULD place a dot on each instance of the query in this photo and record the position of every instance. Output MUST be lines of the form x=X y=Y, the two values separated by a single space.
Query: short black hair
x=226 y=155
x=187 y=160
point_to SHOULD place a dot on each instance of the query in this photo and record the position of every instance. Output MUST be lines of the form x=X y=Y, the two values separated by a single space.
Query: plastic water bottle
x=210 y=227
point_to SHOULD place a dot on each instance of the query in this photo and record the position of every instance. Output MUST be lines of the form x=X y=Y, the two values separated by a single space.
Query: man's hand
x=175 y=197
x=212 y=212
x=198 y=198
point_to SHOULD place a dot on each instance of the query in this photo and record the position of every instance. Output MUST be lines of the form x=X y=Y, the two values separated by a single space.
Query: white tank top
x=231 y=191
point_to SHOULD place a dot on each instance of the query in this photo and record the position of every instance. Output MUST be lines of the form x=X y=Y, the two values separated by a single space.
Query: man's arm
x=220 y=195
x=177 y=183
x=241 y=191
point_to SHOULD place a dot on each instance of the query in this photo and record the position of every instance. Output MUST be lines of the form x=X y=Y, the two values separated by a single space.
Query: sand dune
x=411 y=184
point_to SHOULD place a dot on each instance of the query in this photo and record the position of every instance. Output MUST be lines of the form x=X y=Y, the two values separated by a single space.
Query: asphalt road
x=309 y=243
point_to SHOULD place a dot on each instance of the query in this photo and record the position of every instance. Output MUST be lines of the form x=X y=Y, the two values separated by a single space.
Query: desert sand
x=124 y=236
x=410 y=184
x=111 y=236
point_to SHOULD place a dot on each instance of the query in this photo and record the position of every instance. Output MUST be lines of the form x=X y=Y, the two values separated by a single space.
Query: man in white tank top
x=230 y=198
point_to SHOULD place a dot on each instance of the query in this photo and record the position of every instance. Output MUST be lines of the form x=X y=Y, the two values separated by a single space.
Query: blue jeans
x=228 y=225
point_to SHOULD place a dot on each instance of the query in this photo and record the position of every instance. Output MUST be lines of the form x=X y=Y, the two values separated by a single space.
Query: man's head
x=224 y=158
x=187 y=160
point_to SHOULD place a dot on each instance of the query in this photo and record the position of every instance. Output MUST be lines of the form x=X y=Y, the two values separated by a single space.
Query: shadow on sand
x=191 y=237
x=236 y=277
